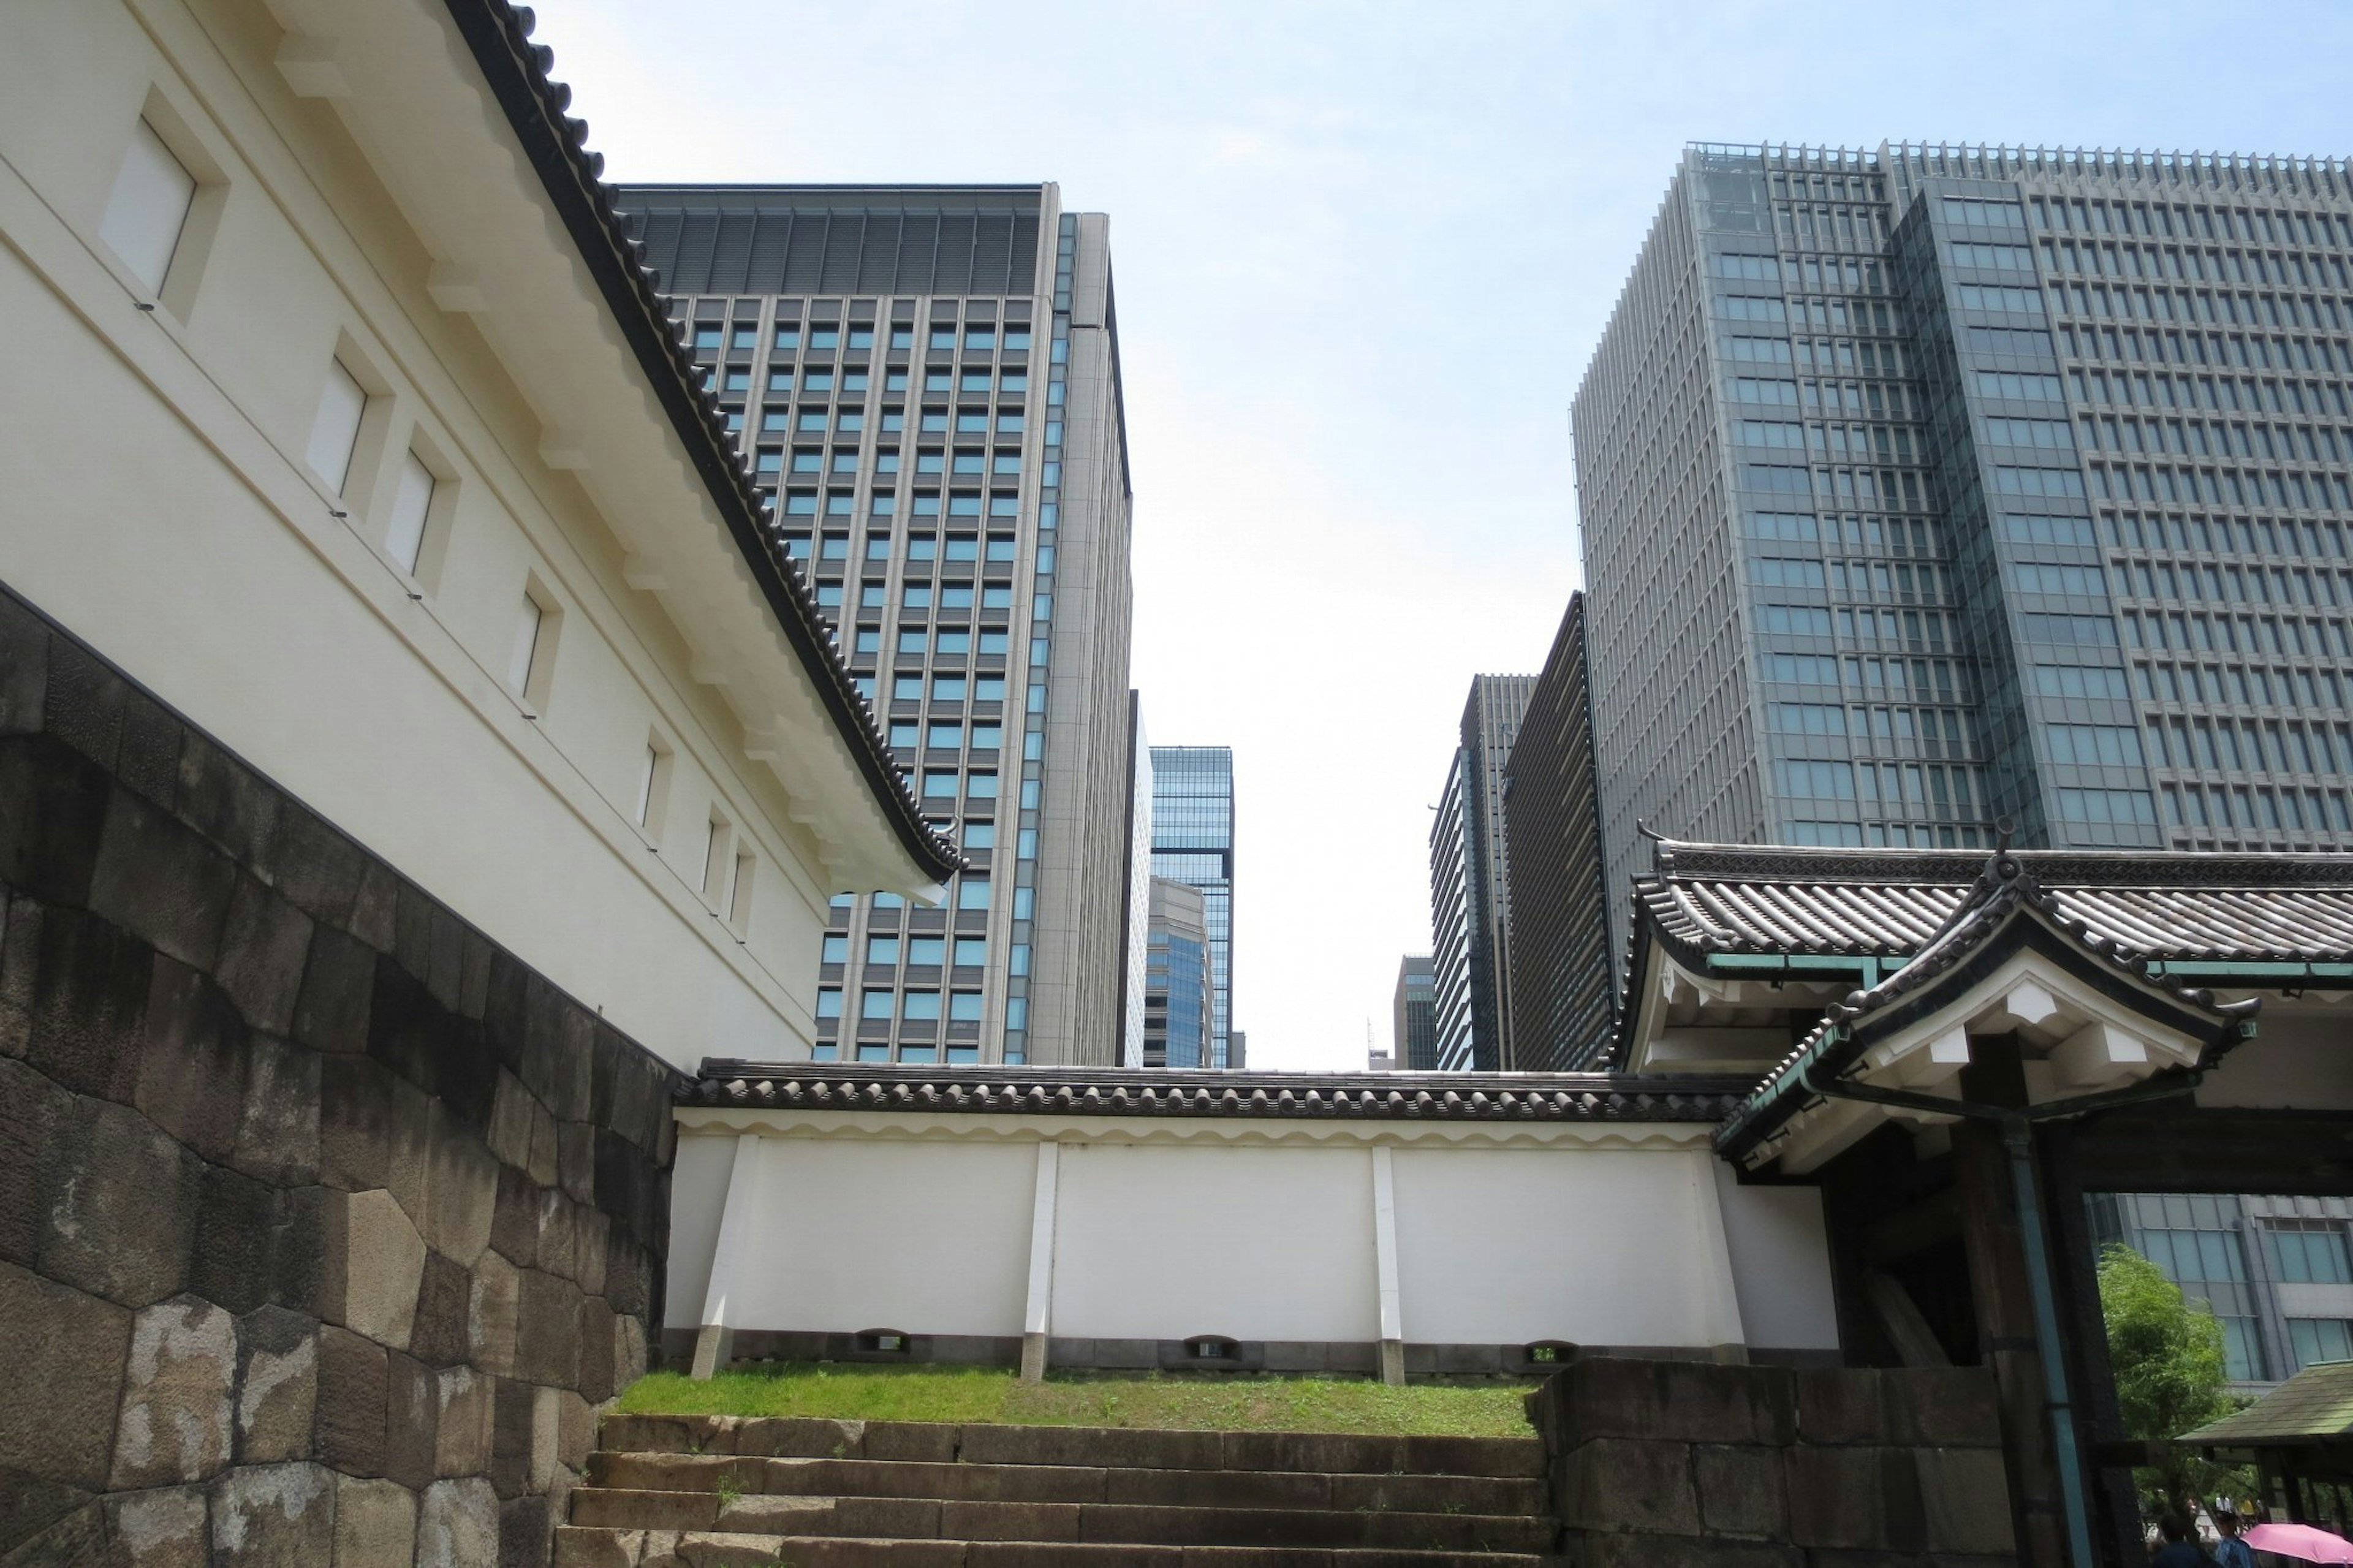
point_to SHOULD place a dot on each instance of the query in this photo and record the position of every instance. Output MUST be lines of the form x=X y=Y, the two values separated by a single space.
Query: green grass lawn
x=1248 y=1403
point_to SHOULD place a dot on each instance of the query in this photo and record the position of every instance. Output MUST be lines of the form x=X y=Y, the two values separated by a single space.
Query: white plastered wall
x=155 y=501
x=921 y=1221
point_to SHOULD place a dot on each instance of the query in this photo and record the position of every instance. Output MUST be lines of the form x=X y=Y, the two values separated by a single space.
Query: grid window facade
x=1193 y=843
x=1470 y=882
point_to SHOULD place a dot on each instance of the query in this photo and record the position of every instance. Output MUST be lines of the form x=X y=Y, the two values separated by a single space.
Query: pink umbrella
x=2299 y=1541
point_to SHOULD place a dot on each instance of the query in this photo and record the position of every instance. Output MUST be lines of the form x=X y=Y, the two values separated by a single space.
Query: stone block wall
x=324 y=1223
x=1700 y=1465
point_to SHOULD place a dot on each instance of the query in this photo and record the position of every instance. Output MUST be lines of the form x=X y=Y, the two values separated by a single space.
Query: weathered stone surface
x=24 y=669
x=176 y=1420
x=191 y=1066
x=76 y=1539
x=490 y=1315
x=149 y=760
x=405 y=1025
x=168 y=1528
x=458 y=1524
x=510 y=1130
x=462 y=1191
x=1624 y=1484
x=85 y=700
x=1965 y=1499
x=122 y=1205
x=160 y=882
x=1944 y=1407
x=374 y=1131
x=1626 y=1551
x=596 y=1381
x=523 y=1528
x=444 y=1301
x=511 y=1437
x=463 y=1435
x=590 y=1231
x=558 y=1234
x=52 y=811
x=1858 y=1497
x=547 y=1329
x=546 y=1435
x=313 y=865
x=375 y=1524
x=546 y=1147
x=515 y=1225
x=273 y=1516
x=226 y=801
x=34 y=1112
x=629 y=1359
x=1741 y=1491
x=1679 y=1401
x=67 y=1352
x=87 y=1022
x=277 y=1385
x=575 y=1430
x=411 y=1411
x=353 y=1390
x=278 y=1127
x=229 y=1261
x=1840 y=1405
x=375 y=1262
x=576 y=1159
x=331 y=1011
x=261 y=955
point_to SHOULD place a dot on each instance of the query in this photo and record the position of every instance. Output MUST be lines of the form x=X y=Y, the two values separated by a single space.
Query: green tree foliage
x=2167 y=1356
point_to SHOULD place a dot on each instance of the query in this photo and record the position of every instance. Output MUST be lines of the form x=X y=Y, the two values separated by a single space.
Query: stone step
x=596 y=1546
x=925 y=1519
x=1092 y=1448
x=1350 y=1492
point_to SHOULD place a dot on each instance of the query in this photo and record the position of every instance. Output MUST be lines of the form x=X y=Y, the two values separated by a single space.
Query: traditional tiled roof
x=516 y=70
x=1114 y=1091
x=1709 y=898
x=2006 y=906
x=2314 y=1406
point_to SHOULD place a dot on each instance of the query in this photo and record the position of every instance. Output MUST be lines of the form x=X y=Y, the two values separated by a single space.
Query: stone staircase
x=666 y=1491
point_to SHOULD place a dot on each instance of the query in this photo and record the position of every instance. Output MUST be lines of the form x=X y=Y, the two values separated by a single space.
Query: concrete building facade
x=1928 y=488
x=1193 y=843
x=926 y=382
x=1563 y=1004
x=1469 y=883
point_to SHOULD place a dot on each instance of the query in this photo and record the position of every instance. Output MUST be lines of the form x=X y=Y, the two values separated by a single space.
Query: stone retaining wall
x=324 y=1223
x=1705 y=1465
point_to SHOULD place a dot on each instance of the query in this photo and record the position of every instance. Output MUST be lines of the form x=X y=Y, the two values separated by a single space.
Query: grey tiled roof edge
x=516 y=70
x=1120 y=1092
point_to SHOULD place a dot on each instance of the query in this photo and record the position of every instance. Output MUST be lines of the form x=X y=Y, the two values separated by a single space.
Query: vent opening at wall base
x=891 y=1343
x=1214 y=1349
x=1543 y=1355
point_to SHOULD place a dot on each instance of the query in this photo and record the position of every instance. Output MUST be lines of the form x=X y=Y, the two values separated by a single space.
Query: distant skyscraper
x=1193 y=843
x=1562 y=1006
x=1139 y=882
x=1922 y=488
x=927 y=380
x=1413 y=1043
x=1470 y=887
x=1177 y=1006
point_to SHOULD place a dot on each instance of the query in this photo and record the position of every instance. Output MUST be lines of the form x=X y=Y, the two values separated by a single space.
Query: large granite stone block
x=192 y=1066
x=591 y=1230
x=67 y=1352
x=1616 y=1483
x=1854 y=1498
x=404 y=1026
x=596 y=1376
x=277 y=1385
x=1965 y=1499
x=88 y=1021
x=514 y=1222
x=375 y=1261
x=1944 y=1407
x=52 y=814
x=462 y=1189
x=84 y=701
x=353 y=1387
x=547 y=1323
x=509 y=1133
x=226 y=801
x=330 y=1011
x=576 y=1161
x=374 y=1131
x=444 y=1303
x=375 y=1524
x=467 y=1401
x=274 y=1516
x=1676 y=1401
x=490 y=1320
x=1742 y=1491
x=261 y=955
x=411 y=1421
x=34 y=1112
x=121 y=1207
x=525 y=1525
x=278 y=1128
x=231 y=1258
x=176 y=1421
x=167 y=1528
x=161 y=881
x=458 y=1524
x=313 y=866
x=148 y=758
x=512 y=1408
x=558 y=1249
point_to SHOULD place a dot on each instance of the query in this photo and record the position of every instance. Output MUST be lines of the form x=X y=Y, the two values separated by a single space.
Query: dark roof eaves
x=497 y=34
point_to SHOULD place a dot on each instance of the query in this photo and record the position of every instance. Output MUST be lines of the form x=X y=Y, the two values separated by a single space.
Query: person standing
x=2231 y=1551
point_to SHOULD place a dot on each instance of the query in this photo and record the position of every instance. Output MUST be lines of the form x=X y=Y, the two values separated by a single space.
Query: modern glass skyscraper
x=1413 y=1017
x=928 y=381
x=1179 y=1005
x=1924 y=489
x=1469 y=883
x=1193 y=843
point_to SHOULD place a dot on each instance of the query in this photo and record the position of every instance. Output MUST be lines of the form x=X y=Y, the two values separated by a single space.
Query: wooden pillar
x=2004 y=1299
x=2115 y=1527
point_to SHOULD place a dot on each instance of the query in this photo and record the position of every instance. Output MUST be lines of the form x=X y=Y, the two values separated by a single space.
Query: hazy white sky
x=1362 y=252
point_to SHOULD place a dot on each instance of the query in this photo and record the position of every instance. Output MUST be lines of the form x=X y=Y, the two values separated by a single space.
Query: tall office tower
x=1469 y=883
x=1193 y=843
x=1562 y=1004
x=928 y=379
x=1925 y=487
x=1179 y=1005
x=1413 y=1017
x=1139 y=883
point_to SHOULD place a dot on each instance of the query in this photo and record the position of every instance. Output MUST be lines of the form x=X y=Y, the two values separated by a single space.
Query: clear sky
x=1362 y=252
